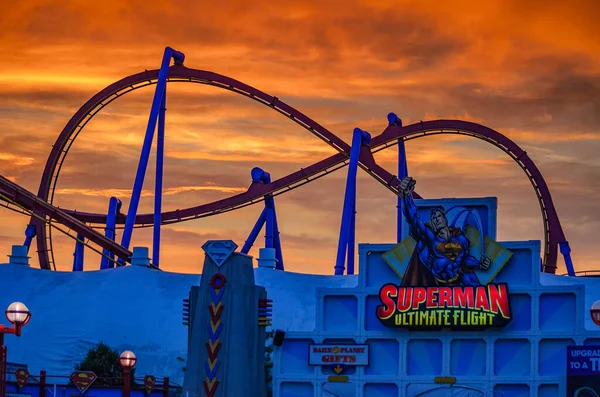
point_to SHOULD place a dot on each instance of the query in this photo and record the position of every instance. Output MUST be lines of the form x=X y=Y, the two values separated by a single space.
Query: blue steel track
x=359 y=154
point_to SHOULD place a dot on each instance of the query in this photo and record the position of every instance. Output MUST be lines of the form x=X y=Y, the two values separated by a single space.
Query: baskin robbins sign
x=447 y=266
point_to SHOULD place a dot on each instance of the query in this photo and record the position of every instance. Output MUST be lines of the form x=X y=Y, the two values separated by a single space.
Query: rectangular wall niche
x=341 y=313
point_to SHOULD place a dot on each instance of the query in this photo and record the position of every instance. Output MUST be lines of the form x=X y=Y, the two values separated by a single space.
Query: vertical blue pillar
x=565 y=250
x=270 y=223
x=268 y=217
x=78 y=255
x=352 y=241
x=158 y=189
x=114 y=205
x=161 y=86
x=402 y=173
x=358 y=138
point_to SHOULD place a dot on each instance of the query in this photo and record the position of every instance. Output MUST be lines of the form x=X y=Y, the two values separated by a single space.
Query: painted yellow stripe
x=212 y=345
x=215 y=326
x=212 y=365
x=210 y=383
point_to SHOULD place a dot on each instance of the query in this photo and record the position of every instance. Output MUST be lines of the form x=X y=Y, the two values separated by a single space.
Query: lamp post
x=127 y=361
x=18 y=314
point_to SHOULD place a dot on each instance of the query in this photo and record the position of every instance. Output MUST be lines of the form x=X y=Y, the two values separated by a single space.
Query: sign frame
x=91 y=375
x=149 y=384
x=364 y=355
x=22 y=376
x=582 y=370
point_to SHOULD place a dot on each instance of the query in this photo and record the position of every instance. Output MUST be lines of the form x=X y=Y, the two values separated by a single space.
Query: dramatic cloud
x=530 y=70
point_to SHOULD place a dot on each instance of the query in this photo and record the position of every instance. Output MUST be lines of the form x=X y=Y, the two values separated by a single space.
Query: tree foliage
x=269 y=362
x=104 y=362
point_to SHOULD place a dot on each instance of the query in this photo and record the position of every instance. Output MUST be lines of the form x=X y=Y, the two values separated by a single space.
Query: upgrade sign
x=583 y=370
x=464 y=308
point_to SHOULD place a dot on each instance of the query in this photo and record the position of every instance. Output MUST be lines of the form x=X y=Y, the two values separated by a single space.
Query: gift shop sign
x=338 y=354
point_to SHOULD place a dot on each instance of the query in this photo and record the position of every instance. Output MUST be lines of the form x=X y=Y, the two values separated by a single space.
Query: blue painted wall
x=526 y=358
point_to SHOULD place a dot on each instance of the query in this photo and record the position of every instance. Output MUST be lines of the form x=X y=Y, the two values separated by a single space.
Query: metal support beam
x=270 y=230
x=254 y=232
x=359 y=138
x=277 y=242
x=114 y=206
x=402 y=173
x=352 y=241
x=268 y=217
x=14 y=194
x=78 y=254
x=161 y=86
x=565 y=250
x=29 y=235
x=158 y=189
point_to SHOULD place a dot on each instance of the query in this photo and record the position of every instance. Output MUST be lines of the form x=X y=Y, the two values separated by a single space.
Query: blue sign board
x=583 y=371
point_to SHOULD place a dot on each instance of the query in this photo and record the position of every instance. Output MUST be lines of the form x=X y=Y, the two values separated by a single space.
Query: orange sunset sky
x=528 y=69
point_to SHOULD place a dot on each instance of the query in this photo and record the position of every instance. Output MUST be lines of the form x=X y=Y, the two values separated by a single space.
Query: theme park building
x=138 y=308
x=444 y=310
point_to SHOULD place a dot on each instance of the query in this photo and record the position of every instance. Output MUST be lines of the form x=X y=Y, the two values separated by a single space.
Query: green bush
x=104 y=362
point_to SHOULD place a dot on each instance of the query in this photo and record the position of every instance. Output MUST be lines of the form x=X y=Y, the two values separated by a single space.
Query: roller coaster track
x=256 y=192
x=40 y=210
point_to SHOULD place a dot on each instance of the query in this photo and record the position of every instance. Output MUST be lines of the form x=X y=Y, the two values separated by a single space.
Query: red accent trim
x=215 y=316
x=42 y=384
x=212 y=391
x=7 y=330
x=218 y=277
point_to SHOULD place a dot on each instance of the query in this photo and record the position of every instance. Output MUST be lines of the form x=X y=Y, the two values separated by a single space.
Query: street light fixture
x=127 y=361
x=19 y=315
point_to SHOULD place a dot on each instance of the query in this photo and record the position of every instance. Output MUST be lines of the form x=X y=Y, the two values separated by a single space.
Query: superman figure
x=441 y=256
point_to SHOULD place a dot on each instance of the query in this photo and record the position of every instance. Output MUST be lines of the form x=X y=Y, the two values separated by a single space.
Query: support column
x=147 y=145
x=359 y=138
x=352 y=242
x=2 y=366
x=126 y=391
x=268 y=217
x=78 y=254
x=114 y=206
x=402 y=173
x=254 y=232
x=160 y=154
x=270 y=232
x=42 y=384
x=565 y=250
x=29 y=235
